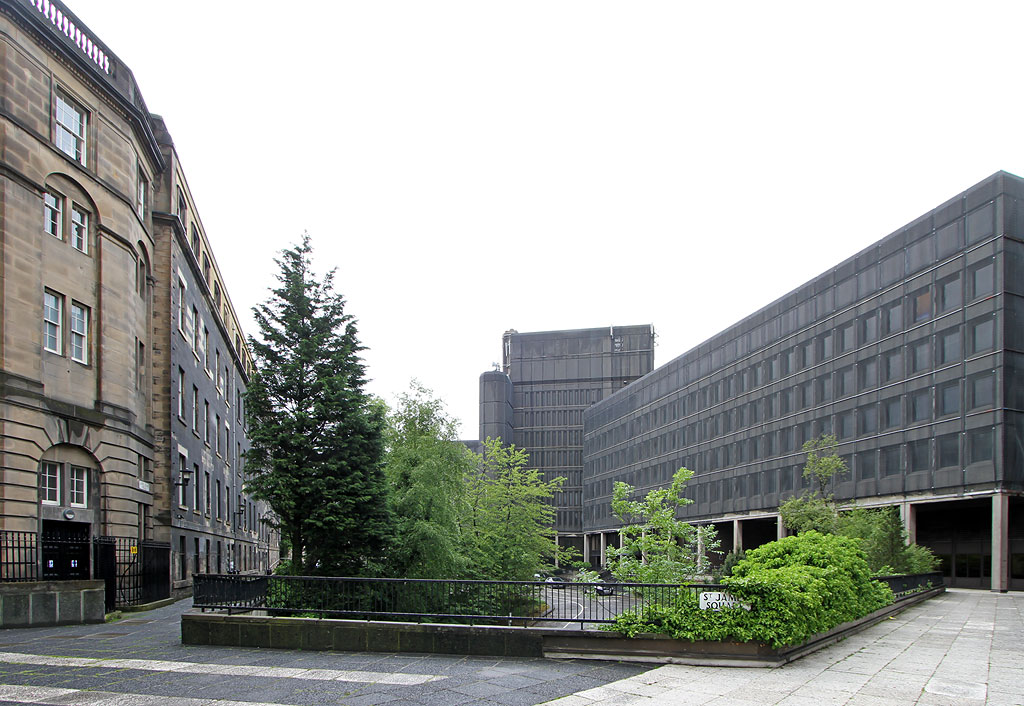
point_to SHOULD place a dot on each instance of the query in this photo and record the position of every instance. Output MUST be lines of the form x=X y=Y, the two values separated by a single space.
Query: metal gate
x=64 y=550
x=135 y=572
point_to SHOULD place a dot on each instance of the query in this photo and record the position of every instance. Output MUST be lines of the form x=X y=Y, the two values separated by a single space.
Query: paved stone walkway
x=962 y=648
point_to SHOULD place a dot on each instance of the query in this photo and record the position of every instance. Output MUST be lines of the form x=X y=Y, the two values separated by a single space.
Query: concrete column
x=780 y=529
x=737 y=536
x=556 y=551
x=586 y=547
x=604 y=547
x=910 y=522
x=1000 y=542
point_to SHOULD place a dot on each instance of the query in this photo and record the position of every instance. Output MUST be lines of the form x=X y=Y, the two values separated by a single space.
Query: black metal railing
x=19 y=560
x=434 y=599
x=909 y=584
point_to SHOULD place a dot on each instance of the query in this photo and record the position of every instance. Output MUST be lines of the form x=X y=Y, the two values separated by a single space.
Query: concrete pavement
x=963 y=648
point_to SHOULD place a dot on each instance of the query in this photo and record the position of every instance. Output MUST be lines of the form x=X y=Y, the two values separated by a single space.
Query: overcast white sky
x=470 y=167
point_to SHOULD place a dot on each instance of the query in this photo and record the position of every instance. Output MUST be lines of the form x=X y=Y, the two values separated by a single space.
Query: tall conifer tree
x=316 y=435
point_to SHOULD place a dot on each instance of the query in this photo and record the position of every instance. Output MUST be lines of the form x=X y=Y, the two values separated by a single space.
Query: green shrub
x=796 y=587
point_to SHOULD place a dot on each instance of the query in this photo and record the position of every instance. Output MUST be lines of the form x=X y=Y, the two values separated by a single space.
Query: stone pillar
x=737 y=536
x=604 y=547
x=780 y=529
x=586 y=547
x=556 y=551
x=1000 y=542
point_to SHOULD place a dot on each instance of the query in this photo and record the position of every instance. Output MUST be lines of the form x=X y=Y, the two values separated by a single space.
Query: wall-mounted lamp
x=186 y=476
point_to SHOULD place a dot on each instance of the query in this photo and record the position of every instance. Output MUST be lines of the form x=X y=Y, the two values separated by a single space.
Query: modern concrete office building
x=537 y=400
x=96 y=255
x=911 y=352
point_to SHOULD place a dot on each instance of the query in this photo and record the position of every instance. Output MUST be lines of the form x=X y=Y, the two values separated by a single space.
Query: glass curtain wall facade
x=910 y=353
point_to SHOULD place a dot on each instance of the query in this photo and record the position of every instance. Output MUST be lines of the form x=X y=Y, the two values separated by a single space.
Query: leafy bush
x=796 y=587
x=884 y=540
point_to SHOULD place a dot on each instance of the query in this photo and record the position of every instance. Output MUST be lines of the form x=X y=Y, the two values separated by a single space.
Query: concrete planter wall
x=505 y=641
x=43 y=603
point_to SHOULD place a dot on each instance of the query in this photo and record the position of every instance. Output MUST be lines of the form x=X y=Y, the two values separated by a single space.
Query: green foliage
x=884 y=540
x=813 y=509
x=316 y=437
x=796 y=587
x=809 y=512
x=823 y=463
x=730 y=561
x=426 y=467
x=656 y=547
x=509 y=516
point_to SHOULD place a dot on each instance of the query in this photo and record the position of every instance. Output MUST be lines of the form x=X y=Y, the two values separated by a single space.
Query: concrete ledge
x=198 y=628
x=45 y=603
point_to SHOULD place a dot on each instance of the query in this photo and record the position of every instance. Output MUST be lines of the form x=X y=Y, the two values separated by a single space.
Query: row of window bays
x=937 y=458
x=885 y=342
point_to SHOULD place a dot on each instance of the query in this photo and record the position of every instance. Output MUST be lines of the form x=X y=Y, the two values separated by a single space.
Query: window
x=206 y=421
x=844 y=381
x=950 y=293
x=867 y=374
x=49 y=483
x=195 y=488
x=53 y=218
x=140 y=365
x=869 y=328
x=982 y=279
x=53 y=315
x=920 y=406
x=981 y=335
x=919 y=455
x=182 y=309
x=948 y=449
x=867 y=420
x=195 y=411
x=70 y=126
x=182 y=488
x=79 y=486
x=891 y=413
x=982 y=390
x=182 y=206
x=892 y=365
x=141 y=189
x=949 y=398
x=844 y=425
x=216 y=430
x=892 y=318
x=195 y=240
x=217 y=500
x=921 y=305
x=947 y=346
x=195 y=331
x=220 y=372
x=207 y=502
x=867 y=465
x=979 y=445
x=844 y=337
x=79 y=333
x=79 y=228
x=206 y=349
x=181 y=393
x=890 y=460
x=919 y=355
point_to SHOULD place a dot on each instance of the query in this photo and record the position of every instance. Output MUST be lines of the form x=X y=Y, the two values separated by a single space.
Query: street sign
x=719 y=600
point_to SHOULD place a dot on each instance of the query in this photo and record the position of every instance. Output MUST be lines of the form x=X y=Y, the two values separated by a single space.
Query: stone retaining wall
x=44 y=603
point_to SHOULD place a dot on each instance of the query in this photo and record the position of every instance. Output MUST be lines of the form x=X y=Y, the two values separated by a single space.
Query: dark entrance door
x=65 y=550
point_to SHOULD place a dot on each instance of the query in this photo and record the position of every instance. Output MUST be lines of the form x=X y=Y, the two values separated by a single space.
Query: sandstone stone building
x=122 y=362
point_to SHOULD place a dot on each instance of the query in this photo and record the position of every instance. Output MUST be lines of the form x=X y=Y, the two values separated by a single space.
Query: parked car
x=555 y=582
x=605 y=589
